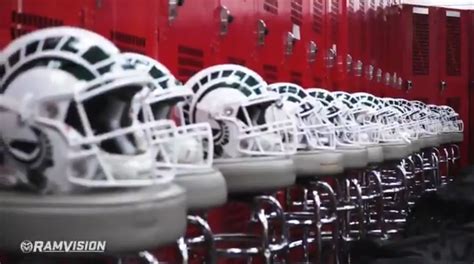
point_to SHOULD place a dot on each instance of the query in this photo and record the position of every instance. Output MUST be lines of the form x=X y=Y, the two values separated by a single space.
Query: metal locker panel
x=271 y=51
x=316 y=44
x=187 y=35
x=453 y=55
x=113 y=20
x=420 y=53
x=395 y=52
x=237 y=36
x=297 y=42
x=378 y=46
x=21 y=17
x=356 y=43
x=369 y=54
x=7 y=27
x=336 y=44
x=385 y=43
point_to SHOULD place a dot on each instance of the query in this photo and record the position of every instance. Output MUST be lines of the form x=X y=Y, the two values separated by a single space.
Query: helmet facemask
x=192 y=146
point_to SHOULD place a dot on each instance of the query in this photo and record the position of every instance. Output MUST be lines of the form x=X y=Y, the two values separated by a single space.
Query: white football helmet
x=237 y=104
x=363 y=115
x=314 y=132
x=347 y=129
x=193 y=143
x=66 y=114
x=389 y=118
x=451 y=120
x=400 y=114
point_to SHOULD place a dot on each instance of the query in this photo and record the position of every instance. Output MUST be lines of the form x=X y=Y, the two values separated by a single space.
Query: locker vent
x=421 y=44
x=271 y=6
x=453 y=46
x=297 y=12
x=127 y=42
x=455 y=103
x=296 y=77
x=270 y=73
x=334 y=21
x=317 y=16
x=190 y=61
x=31 y=22
x=236 y=61
x=372 y=4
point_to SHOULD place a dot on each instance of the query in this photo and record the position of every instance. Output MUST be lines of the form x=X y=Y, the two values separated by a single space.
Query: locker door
x=420 y=59
x=113 y=20
x=297 y=42
x=369 y=50
x=336 y=44
x=397 y=27
x=237 y=38
x=453 y=64
x=353 y=57
x=21 y=17
x=271 y=53
x=187 y=35
x=7 y=21
x=317 y=37
x=378 y=49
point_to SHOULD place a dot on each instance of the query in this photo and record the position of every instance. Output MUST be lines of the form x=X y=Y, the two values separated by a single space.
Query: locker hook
x=290 y=43
x=348 y=63
x=379 y=75
x=331 y=57
x=225 y=19
x=443 y=85
x=312 y=51
x=370 y=72
x=358 y=68
x=262 y=32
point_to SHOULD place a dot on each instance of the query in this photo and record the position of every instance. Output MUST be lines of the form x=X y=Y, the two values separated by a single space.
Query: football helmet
x=364 y=116
x=239 y=107
x=451 y=120
x=66 y=114
x=314 y=132
x=347 y=129
x=193 y=142
x=400 y=114
x=387 y=117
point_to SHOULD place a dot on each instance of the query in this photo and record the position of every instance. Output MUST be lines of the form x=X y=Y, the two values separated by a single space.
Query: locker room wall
x=403 y=43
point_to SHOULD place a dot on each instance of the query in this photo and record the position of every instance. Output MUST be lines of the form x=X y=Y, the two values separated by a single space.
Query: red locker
x=188 y=36
x=378 y=46
x=356 y=43
x=113 y=20
x=297 y=42
x=181 y=35
x=336 y=44
x=420 y=53
x=271 y=53
x=453 y=55
x=370 y=48
x=316 y=43
x=237 y=37
x=20 y=17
